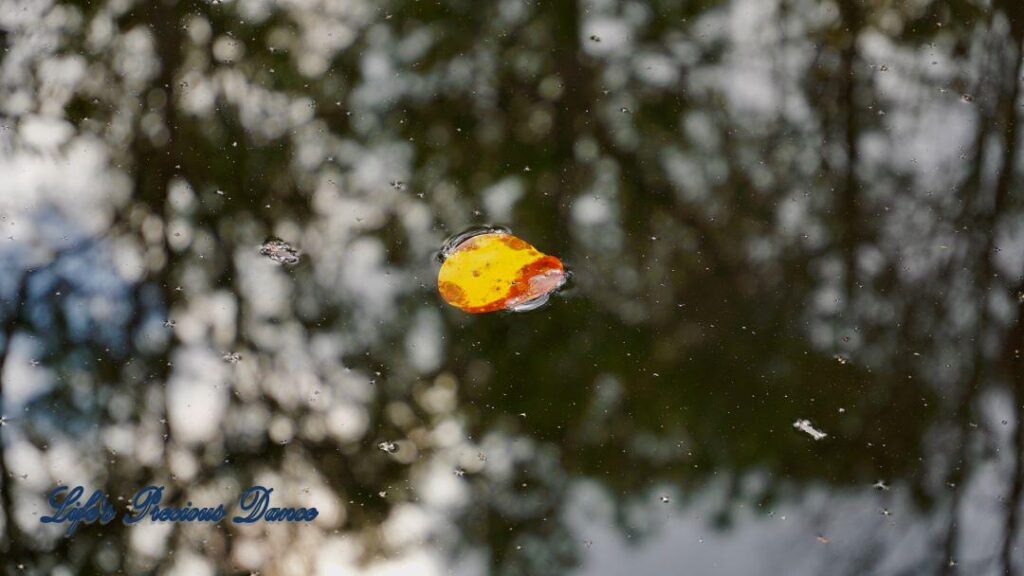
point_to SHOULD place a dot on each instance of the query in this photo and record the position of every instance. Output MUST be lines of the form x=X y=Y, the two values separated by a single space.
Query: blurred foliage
x=735 y=187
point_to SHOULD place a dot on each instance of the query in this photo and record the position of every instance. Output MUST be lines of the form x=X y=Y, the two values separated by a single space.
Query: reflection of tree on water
x=770 y=199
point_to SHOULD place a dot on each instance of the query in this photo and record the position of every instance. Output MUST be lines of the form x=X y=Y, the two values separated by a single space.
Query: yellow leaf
x=497 y=271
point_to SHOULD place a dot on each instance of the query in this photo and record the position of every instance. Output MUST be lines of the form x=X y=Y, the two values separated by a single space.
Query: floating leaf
x=493 y=270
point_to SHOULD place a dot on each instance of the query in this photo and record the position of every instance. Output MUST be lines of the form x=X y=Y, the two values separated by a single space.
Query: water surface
x=773 y=210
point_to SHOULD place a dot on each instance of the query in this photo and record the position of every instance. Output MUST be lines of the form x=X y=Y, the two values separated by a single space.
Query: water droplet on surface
x=169 y=323
x=595 y=38
x=665 y=500
x=280 y=251
x=967 y=98
x=489 y=269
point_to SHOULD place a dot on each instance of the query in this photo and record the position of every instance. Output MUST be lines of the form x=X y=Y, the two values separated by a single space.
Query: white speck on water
x=386 y=446
x=805 y=426
x=880 y=485
x=665 y=500
x=460 y=472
